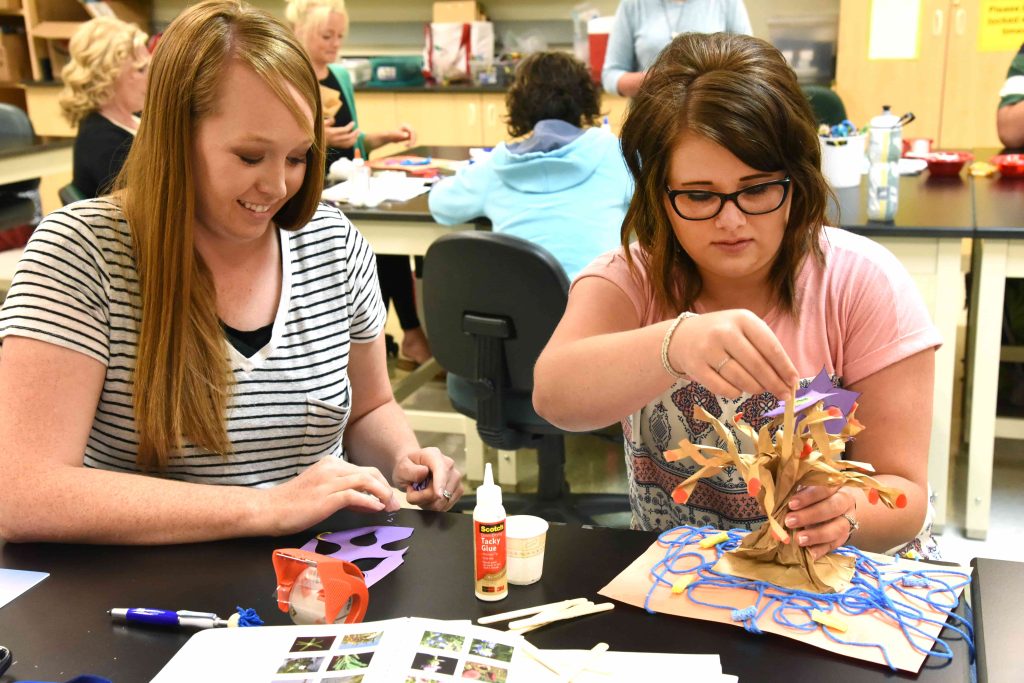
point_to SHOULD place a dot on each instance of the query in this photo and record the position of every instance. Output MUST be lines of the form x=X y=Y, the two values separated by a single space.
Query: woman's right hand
x=323 y=489
x=732 y=352
x=341 y=137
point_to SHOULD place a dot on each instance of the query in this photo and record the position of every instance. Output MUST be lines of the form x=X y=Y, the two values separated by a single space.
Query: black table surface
x=927 y=207
x=39 y=144
x=416 y=209
x=60 y=628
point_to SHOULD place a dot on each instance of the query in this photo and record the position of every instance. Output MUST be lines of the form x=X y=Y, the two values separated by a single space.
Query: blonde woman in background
x=321 y=25
x=104 y=88
x=199 y=355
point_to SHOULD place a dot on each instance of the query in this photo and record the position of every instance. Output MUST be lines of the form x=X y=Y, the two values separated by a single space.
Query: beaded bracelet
x=668 y=340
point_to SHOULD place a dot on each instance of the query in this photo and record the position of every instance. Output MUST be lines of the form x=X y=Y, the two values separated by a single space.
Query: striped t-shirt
x=77 y=286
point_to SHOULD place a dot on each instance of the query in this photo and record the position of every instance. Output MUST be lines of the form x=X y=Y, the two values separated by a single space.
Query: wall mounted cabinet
x=951 y=86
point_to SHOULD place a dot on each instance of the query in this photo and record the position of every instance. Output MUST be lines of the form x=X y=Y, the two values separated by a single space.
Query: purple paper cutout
x=390 y=560
x=822 y=389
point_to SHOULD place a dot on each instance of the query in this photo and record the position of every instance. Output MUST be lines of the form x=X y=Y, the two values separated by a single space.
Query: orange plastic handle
x=342 y=581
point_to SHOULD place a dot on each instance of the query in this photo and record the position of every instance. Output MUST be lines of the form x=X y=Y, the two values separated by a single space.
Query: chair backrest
x=827 y=105
x=16 y=131
x=70 y=194
x=476 y=283
x=15 y=127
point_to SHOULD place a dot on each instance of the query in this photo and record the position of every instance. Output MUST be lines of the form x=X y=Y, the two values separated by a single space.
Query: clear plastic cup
x=525 y=537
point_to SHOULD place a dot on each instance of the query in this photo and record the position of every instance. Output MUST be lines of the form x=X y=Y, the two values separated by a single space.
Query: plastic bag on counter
x=457 y=51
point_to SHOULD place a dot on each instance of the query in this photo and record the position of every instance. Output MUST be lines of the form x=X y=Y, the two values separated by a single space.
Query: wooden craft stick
x=506 y=616
x=571 y=613
x=538 y=656
x=587 y=661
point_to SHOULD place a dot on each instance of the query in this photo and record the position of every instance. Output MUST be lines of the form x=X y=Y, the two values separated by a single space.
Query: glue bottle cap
x=488 y=494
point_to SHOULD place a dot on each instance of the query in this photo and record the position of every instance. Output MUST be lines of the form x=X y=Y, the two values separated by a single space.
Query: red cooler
x=597 y=36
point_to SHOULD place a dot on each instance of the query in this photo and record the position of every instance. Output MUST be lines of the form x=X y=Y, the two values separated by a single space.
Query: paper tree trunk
x=790 y=455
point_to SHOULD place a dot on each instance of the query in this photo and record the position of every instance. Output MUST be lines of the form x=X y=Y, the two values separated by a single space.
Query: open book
x=406 y=650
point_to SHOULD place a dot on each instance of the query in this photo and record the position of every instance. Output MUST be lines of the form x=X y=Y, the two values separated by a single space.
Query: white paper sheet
x=381 y=190
x=14 y=582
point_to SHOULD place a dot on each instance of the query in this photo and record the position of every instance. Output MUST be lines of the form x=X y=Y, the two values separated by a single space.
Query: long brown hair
x=183 y=378
x=738 y=92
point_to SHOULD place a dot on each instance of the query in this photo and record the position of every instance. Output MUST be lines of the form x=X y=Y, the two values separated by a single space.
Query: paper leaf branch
x=791 y=454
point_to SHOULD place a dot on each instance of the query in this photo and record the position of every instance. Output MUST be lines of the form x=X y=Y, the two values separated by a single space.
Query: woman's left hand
x=445 y=481
x=819 y=516
x=406 y=134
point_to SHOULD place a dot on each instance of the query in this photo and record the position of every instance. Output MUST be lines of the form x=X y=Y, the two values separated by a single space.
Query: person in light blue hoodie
x=566 y=186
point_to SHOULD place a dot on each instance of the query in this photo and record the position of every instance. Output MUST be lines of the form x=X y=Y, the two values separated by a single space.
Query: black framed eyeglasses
x=700 y=205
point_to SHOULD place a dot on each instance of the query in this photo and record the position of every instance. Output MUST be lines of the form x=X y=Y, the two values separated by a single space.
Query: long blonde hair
x=183 y=379
x=99 y=49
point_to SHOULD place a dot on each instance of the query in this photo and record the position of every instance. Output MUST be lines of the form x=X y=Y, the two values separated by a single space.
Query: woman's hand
x=819 y=516
x=323 y=489
x=438 y=470
x=732 y=352
x=405 y=133
x=341 y=137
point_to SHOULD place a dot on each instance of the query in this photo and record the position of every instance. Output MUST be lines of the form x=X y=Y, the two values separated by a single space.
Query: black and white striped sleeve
x=60 y=290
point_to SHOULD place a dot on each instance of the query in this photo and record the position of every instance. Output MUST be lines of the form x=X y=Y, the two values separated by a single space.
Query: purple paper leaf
x=390 y=560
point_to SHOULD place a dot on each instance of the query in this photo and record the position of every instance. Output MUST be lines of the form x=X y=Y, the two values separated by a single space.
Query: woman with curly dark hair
x=565 y=187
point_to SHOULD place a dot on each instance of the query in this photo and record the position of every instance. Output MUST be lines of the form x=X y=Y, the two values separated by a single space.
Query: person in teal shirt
x=643 y=27
x=566 y=186
x=321 y=25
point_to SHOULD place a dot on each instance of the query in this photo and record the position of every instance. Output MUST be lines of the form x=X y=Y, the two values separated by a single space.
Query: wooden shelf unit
x=50 y=24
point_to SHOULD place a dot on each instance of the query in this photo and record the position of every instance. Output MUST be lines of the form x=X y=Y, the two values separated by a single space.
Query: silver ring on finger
x=721 y=364
x=447 y=494
x=854 y=525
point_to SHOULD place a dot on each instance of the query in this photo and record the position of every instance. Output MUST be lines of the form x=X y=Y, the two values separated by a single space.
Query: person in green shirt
x=1010 y=116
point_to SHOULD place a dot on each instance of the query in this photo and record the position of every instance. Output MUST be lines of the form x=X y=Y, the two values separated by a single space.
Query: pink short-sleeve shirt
x=859 y=314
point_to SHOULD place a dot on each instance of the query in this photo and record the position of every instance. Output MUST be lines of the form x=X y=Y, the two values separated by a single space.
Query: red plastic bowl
x=1009 y=165
x=946 y=163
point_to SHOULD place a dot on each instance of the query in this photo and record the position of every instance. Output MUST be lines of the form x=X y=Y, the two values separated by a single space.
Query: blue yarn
x=248 y=617
x=877 y=586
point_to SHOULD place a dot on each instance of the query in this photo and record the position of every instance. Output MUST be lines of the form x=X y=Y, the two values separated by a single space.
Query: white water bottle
x=884 y=151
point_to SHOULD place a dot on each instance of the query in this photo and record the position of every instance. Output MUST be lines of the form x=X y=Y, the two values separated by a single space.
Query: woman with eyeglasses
x=733 y=291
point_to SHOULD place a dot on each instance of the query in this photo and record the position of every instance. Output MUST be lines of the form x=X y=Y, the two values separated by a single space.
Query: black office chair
x=827 y=105
x=491 y=302
x=16 y=204
x=70 y=194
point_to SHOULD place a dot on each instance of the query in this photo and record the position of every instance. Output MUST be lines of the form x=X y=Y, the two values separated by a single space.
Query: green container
x=396 y=72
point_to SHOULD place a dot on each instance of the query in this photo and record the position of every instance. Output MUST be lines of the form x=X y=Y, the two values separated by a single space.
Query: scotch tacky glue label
x=490 y=579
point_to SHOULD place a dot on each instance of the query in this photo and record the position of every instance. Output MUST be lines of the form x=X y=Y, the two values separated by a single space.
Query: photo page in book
x=410 y=650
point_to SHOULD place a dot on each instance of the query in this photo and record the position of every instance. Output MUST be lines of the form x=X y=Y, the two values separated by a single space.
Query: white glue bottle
x=360 y=195
x=490 y=575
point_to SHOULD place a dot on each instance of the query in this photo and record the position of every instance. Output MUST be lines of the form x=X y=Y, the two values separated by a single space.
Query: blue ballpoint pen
x=163 y=617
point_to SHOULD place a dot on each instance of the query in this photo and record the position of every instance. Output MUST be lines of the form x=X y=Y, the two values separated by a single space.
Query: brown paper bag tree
x=787 y=458
x=330 y=102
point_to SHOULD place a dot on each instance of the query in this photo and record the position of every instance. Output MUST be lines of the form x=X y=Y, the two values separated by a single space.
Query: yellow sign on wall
x=1000 y=25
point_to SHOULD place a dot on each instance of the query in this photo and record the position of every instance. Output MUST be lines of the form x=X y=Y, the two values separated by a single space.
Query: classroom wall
x=396 y=26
